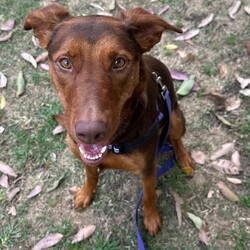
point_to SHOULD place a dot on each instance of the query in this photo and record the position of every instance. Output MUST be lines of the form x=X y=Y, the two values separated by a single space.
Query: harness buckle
x=116 y=149
x=163 y=87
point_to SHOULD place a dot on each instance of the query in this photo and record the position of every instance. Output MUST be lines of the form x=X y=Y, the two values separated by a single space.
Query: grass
x=38 y=157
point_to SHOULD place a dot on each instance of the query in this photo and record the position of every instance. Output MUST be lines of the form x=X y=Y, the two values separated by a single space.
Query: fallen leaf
x=6 y=169
x=96 y=6
x=9 y=25
x=42 y=57
x=235 y=158
x=29 y=58
x=189 y=58
x=188 y=35
x=218 y=97
x=182 y=54
x=1 y=129
x=171 y=46
x=84 y=233
x=20 y=84
x=177 y=75
x=207 y=20
x=74 y=189
x=232 y=103
x=2 y=102
x=4 y=182
x=247 y=10
x=244 y=82
x=56 y=184
x=210 y=193
x=6 y=37
x=178 y=203
x=245 y=92
x=234 y=9
x=203 y=234
x=223 y=150
x=199 y=157
x=226 y=167
x=44 y=66
x=195 y=219
x=163 y=9
x=223 y=70
x=13 y=193
x=3 y=80
x=35 y=41
x=58 y=129
x=186 y=86
x=224 y=120
x=111 y=5
x=12 y=211
x=234 y=180
x=48 y=241
x=37 y=190
x=196 y=87
x=227 y=192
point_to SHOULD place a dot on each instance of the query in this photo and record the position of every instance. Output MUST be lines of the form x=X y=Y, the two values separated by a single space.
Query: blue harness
x=162 y=148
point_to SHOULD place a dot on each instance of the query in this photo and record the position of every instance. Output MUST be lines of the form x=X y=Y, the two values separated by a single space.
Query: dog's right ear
x=44 y=20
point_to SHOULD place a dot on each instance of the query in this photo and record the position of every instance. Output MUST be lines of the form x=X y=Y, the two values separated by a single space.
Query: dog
x=110 y=95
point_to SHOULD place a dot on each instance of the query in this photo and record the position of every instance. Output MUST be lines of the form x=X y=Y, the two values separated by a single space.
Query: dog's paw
x=187 y=165
x=153 y=223
x=83 y=198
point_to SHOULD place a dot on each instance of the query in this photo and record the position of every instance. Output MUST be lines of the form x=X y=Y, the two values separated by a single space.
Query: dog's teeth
x=81 y=150
x=100 y=155
x=103 y=149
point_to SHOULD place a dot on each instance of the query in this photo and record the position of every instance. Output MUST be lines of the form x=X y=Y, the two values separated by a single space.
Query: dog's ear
x=44 y=20
x=146 y=27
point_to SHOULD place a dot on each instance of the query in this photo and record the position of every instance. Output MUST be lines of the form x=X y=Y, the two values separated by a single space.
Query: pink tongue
x=92 y=149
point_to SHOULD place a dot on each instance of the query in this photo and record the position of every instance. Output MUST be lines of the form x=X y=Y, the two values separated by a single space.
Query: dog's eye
x=119 y=63
x=65 y=63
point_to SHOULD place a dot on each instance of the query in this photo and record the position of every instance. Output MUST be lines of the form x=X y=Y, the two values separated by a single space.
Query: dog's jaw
x=92 y=154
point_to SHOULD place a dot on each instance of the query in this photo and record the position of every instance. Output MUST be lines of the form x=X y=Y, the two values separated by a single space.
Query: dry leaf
x=6 y=169
x=223 y=150
x=223 y=70
x=1 y=129
x=97 y=6
x=196 y=87
x=4 y=182
x=84 y=233
x=12 y=211
x=178 y=203
x=20 y=84
x=199 y=157
x=232 y=103
x=227 y=192
x=35 y=41
x=195 y=219
x=203 y=234
x=247 y=10
x=244 y=82
x=226 y=167
x=206 y=20
x=13 y=193
x=58 y=129
x=171 y=46
x=74 y=189
x=234 y=180
x=29 y=58
x=6 y=37
x=186 y=86
x=3 y=80
x=2 y=102
x=188 y=35
x=182 y=54
x=37 y=190
x=216 y=96
x=177 y=75
x=210 y=193
x=48 y=241
x=163 y=9
x=235 y=158
x=56 y=184
x=224 y=120
x=234 y=9
x=9 y=25
x=42 y=57
x=245 y=92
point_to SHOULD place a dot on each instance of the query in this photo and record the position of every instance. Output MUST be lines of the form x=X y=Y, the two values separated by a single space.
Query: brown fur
x=108 y=93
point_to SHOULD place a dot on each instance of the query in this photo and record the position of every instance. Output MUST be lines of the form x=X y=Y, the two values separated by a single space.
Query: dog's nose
x=90 y=132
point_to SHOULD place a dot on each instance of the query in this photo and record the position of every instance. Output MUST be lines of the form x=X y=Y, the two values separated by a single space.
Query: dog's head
x=95 y=66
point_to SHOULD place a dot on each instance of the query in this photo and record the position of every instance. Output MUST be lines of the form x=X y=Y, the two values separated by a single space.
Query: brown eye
x=119 y=63
x=65 y=63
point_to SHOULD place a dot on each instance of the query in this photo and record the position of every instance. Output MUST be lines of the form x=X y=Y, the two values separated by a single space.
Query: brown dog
x=110 y=95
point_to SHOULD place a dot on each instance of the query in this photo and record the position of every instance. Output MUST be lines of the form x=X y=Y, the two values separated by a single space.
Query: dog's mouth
x=92 y=154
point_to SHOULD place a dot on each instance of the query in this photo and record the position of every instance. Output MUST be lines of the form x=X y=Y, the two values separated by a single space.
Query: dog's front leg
x=84 y=196
x=152 y=219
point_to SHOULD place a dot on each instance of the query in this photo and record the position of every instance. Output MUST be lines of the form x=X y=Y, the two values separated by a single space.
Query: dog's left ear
x=146 y=27
x=44 y=20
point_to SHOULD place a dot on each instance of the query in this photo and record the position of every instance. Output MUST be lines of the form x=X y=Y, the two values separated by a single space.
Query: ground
x=41 y=158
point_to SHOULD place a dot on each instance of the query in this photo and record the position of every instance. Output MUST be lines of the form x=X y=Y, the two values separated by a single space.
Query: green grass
x=241 y=238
